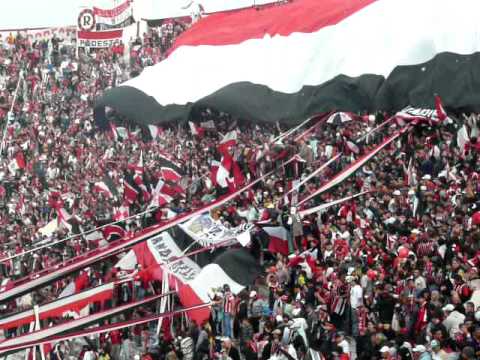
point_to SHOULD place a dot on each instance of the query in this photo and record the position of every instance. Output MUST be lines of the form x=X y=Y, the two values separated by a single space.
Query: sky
x=18 y=14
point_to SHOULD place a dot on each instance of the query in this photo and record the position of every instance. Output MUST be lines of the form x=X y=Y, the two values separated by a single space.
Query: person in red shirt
x=116 y=341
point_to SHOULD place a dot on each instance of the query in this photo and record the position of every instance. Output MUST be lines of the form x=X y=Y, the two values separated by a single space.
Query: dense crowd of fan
x=391 y=275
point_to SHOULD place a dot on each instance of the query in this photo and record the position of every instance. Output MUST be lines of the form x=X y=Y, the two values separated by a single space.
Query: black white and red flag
x=170 y=171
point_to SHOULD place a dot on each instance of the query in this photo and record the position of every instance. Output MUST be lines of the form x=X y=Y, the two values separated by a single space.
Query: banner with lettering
x=412 y=114
x=209 y=232
x=99 y=39
x=166 y=252
x=157 y=254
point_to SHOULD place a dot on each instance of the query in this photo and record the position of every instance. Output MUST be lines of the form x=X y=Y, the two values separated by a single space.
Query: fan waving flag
x=234 y=70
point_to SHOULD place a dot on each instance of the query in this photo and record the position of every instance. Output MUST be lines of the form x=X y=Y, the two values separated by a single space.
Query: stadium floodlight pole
x=10 y=113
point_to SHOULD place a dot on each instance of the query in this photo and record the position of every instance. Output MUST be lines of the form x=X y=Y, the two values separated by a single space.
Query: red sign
x=99 y=39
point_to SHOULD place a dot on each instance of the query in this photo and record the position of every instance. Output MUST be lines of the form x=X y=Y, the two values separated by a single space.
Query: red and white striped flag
x=63 y=218
x=159 y=197
x=121 y=213
x=155 y=131
x=219 y=174
x=69 y=300
x=195 y=129
x=102 y=188
x=119 y=132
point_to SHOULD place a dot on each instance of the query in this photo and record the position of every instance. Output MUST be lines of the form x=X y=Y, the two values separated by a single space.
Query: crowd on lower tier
x=392 y=274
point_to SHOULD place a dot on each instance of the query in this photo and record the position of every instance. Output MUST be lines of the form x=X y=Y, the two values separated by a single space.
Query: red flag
x=238 y=177
x=113 y=128
x=170 y=174
x=278 y=239
x=129 y=192
x=20 y=158
x=441 y=113
x=111 y=231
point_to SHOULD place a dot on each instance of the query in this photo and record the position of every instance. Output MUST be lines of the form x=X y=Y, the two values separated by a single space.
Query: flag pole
x=27 y=351
x=36 y=311
x=10 y=113
x=163 y=300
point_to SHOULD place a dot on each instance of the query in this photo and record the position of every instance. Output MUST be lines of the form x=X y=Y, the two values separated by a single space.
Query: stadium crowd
x=392 y=274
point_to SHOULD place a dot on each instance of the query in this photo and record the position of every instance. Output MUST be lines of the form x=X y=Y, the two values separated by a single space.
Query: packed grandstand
x=180 y=196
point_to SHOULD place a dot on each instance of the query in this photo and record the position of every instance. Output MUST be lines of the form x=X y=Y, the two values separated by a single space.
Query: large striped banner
x=59 y=306
x=329 y=204
x=13 y=347
x=39 y=335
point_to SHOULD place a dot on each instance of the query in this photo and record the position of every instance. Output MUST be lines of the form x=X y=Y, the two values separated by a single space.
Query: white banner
x=115 y=16
x=206 y=231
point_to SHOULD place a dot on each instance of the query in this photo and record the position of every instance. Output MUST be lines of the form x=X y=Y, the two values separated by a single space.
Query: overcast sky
x=16 y=14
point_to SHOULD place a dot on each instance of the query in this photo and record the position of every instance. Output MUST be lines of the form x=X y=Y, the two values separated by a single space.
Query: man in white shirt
x=89 y=355
x=342 y=343
x=356 y=300
x=356 y=294
x=453 y=319
x=420 y=282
